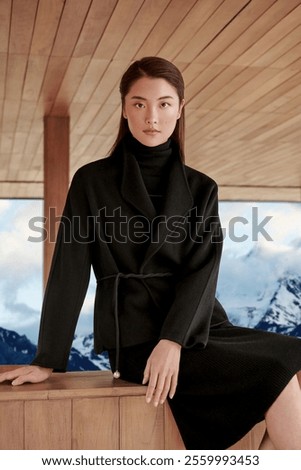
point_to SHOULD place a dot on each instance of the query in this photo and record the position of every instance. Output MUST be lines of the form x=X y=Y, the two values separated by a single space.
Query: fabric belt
x=118 y=276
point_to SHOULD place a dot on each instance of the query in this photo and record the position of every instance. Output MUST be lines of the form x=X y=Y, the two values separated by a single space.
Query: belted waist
x=117 y=277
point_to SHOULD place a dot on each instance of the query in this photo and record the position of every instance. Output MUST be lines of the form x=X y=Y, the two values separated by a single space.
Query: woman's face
x=152 y=108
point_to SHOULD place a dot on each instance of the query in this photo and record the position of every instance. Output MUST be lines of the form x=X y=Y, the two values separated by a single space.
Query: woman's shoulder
x=196 y=177
x=95 y=168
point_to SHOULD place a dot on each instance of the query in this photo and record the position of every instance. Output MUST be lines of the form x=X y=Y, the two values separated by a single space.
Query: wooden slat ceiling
x=241 y=61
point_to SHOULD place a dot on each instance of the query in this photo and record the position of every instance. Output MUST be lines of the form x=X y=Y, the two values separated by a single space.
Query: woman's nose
x=151 y=117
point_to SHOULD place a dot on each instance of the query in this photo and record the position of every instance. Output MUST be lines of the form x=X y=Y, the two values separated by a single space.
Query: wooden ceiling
x=241 y=61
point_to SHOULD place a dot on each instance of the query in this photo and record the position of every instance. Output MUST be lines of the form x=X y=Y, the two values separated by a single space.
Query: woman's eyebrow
x=145 y=99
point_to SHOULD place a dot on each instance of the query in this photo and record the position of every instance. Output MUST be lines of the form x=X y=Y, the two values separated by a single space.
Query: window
x=259 y=283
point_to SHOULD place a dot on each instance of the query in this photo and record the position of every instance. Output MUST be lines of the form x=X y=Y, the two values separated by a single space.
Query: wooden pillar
x=56 y=180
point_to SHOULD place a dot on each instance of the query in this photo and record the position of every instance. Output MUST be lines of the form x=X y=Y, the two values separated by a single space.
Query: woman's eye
x=139 y=105
x=164 y=105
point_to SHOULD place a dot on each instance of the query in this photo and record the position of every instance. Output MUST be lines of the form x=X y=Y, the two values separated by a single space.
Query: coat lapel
x=177 y=203
x=132 y=187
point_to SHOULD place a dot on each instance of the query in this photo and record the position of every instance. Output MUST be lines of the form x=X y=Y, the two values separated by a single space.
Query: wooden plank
x=255 y=193
x=46 y=25
x=53 y=77
x=5 y=17
x=271 y=38
x=69 y=84
x=166 y=25
x=188 y=28
x=201 y=81
x=10 y=115
x=267 y=101
x=109 y=81
x=242 y=78
x=95 y=423
x=34 y=77
x=94 y=26
x=210 y=28
x=3 y=66
x=141 y=425
x=22 y=24
x=73 y=16
x=47 y=424
x=120 y=21
x=11 y=425
x=229 y=35
x=16 y=69
x=100 y=123
x=274 y=55
x=26 y=114
x=212 y=87
x=143 y=23
x=251 y=35
x=90 y=80
x=274 y=80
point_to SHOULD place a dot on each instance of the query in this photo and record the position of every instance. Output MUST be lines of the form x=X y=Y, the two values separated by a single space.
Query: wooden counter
x=88 y=410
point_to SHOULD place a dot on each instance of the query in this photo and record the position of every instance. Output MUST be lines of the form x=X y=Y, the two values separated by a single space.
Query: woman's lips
x=151 y=131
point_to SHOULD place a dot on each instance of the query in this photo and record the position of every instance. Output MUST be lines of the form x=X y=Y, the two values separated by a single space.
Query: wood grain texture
x=240 y=60
x=47 y=424
x=11 y=425
x=89 y=410
x=95 y=423
x=141 y=425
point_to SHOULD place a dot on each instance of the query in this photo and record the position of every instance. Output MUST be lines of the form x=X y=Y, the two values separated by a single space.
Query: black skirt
x=226 y=388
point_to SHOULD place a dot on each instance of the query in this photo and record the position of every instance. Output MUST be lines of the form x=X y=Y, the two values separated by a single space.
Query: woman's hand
x=161 y=371
x=32 y=374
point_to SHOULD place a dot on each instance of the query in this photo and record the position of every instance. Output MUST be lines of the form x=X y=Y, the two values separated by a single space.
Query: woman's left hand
x=161 y=371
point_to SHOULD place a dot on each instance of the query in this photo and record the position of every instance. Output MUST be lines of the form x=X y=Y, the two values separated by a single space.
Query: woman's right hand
x=21 y=375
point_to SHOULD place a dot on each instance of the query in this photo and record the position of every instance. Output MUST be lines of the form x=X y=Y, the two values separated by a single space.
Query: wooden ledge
x=89 y=410
x=71 y=385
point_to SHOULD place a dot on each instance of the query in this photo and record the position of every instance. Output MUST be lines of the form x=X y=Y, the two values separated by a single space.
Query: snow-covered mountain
x=84 y=345
x=263 y=289
x=284 y=312
x=18 y=349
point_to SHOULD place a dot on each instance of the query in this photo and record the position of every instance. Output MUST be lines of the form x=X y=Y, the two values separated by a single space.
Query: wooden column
x=56 y=180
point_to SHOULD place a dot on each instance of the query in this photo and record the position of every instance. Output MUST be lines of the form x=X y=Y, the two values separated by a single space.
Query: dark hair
x=153 y=67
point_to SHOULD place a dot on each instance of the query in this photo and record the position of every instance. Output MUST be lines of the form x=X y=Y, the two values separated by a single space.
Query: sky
x=270 y=231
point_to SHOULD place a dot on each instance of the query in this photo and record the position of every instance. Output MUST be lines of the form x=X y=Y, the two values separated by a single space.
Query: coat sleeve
x=188 y=320
x=68 y=281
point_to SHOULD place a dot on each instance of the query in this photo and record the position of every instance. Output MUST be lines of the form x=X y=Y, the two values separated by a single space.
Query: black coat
x=156 y=275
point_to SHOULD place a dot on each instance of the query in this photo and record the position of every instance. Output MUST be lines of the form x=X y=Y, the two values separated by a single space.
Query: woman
x=149 y=226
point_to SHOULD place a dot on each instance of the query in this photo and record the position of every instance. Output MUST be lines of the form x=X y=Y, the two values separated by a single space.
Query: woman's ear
x=123 y=114
x=182 y=104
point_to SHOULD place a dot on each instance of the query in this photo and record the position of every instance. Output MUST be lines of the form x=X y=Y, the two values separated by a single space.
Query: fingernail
x=148 y=400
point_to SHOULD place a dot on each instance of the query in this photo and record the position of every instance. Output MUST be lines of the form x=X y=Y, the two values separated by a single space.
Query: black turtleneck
x=154 y=164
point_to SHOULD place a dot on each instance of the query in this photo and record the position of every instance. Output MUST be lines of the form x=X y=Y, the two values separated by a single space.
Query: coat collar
x=178 y=201
x=178 y=195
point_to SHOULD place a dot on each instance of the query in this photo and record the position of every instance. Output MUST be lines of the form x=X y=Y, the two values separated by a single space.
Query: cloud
x=4 y=205
x=247 y=225
x=21 y=268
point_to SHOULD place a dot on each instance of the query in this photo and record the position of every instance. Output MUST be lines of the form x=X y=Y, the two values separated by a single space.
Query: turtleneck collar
x=158 y=155
x=154 y=164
